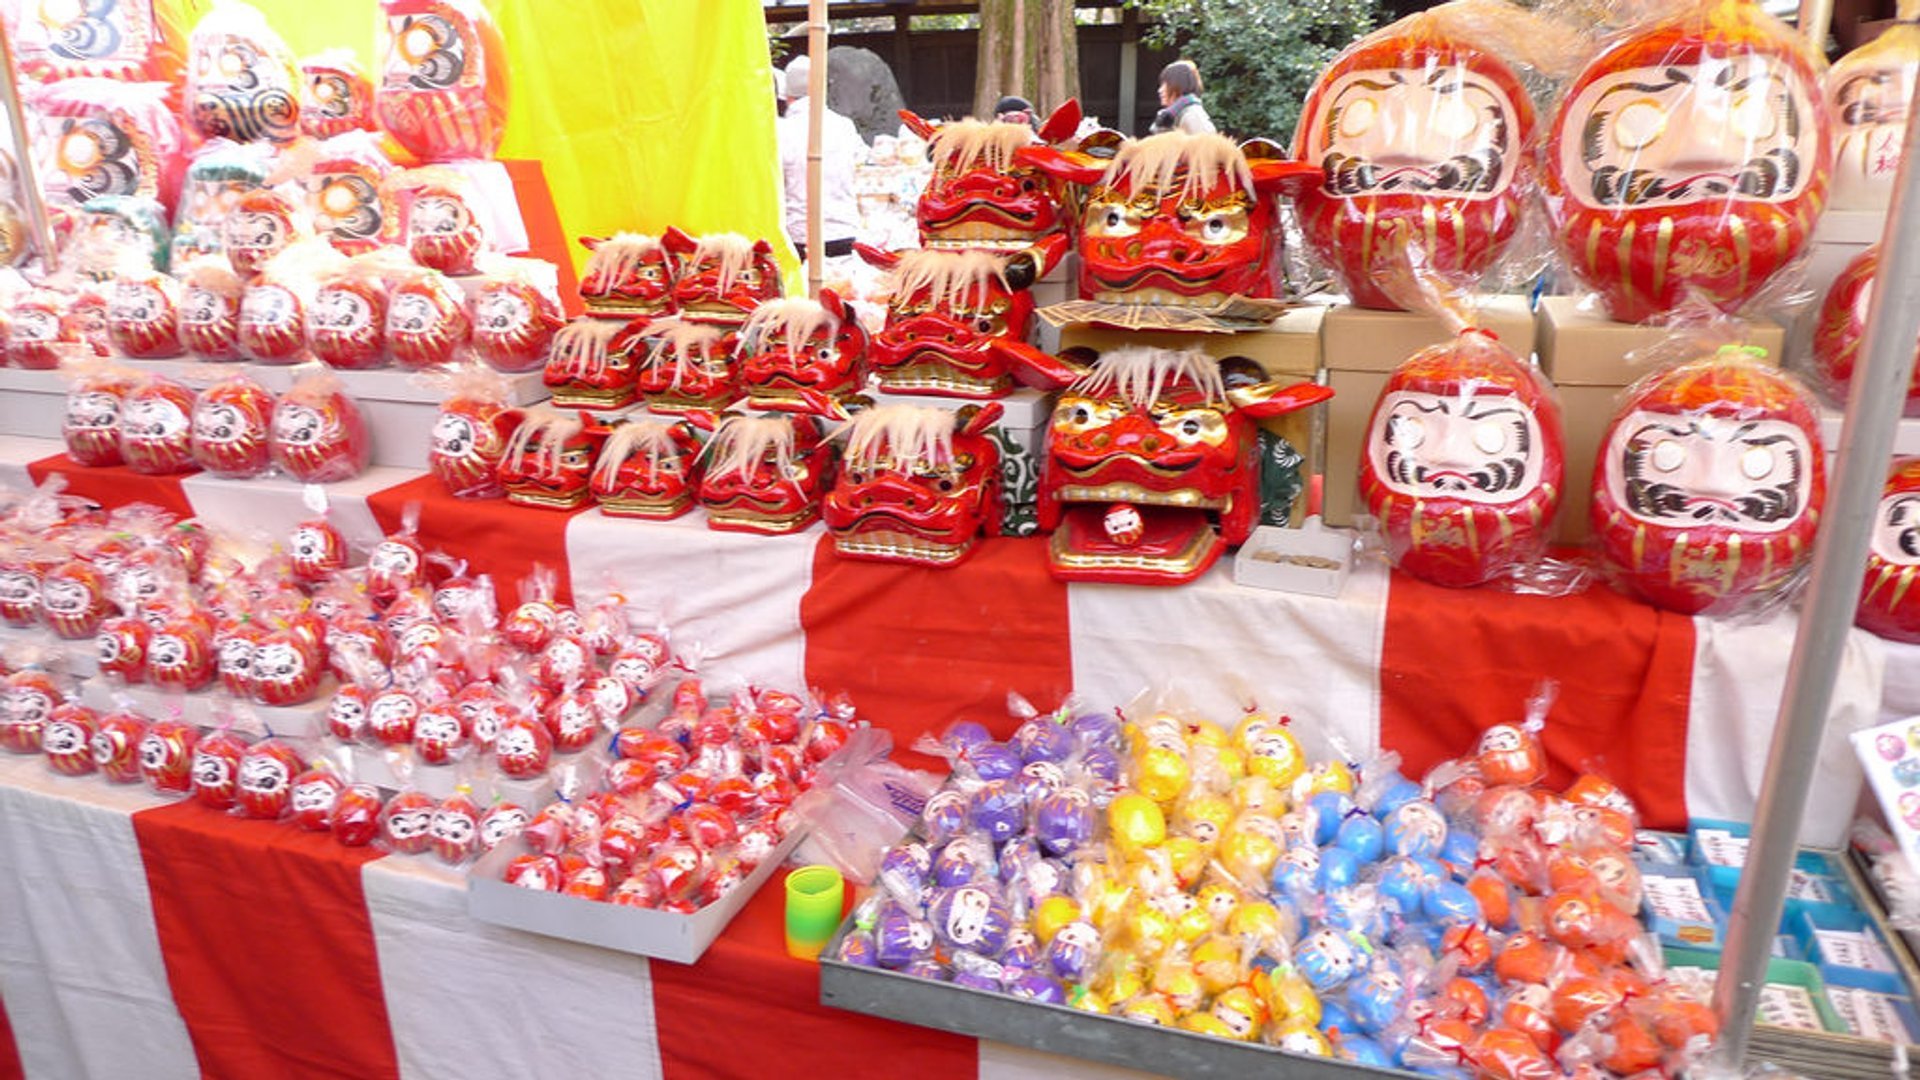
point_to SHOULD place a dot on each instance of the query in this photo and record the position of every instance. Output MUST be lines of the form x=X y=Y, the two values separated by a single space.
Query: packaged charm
x=264 y=790
x=1842 y=329
x=231 y=421
x=275 y=307
x=347 y=192
x=241 y=78
x=116 y=746
x=318 y=436
x=442 y=91
x=515 y=314
x=1867 y=92
x=470 y=436
x=348 y=327
x=143 y=315
x=167 y=753
x=441 y=220
x=427 y=323
x=336 y=95
x=67 y=740
x=1888 y=605
x=210 y=295
x=96 y=137
x=156 y=427
x=262 y=224
x=92 y=425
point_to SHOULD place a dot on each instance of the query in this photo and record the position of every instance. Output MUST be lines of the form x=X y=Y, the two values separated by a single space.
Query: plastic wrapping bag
x=427 y=322
x=143 y=314
x=861 y=805
x=1841 y=329
x=1867 y=94
x=220 y=173
x=1667 y=179
x=242 y=82
x=128 y=42
x=348 y=194
x=515 y=312
x=318 y=435
x=347 y=328
x=1709 y=484
x=471 y=433
x=231 y=426
x=277 y=303
x=1425 y=134
x=1889 y=606
x=335 y=95
x=103 y=137
x=156 y=427
x=442 y=218
x=263 y=223
x=92 y=425
x=442 y=91
x=210 y=309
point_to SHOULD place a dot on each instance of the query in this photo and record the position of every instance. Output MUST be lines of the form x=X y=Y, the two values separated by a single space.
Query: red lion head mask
x=550 y=458
x=957 y=321
x=799 y=355
x=1843 y=326
x=1464 y=463
x=647 y=469
x=627 y=275
x=1889 y=604
x=1178 y=219
x=686 y=366
x=917 y=484
x=1690 y=158
x=981 y=195
x=1424 y=140
x=1145 y=454
x=1709 y=483
x=721 y=277
x=765 y=474
x=590 y=365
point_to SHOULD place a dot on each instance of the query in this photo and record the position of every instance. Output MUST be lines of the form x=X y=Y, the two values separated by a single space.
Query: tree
x=1028 y=48
x=1258 y=58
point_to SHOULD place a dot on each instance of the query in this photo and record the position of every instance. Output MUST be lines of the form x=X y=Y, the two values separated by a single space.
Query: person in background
x=840 y=149
x=1015 y=110
x=1180 y=98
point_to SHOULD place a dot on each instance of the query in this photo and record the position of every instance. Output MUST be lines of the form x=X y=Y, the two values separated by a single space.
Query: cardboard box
x=1362 y=339
x=1588 y=358
x=659 y=934
x=1354 y=394
x=1312 y=559
x=1289 y=349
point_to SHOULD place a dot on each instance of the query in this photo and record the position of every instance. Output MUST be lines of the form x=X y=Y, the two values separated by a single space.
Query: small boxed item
x=1886 y=1018
x=1312 y=559
x=1794 y=996
x=1849 y=951
x=1679 y=909
x=662 y=935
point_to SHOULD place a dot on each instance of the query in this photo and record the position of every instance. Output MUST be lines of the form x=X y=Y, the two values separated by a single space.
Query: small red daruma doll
x=231 y=420
x=396 y=565
x=216 y=769
x=1511 y=754
x=315 y=793
x=1689 y=159
x=357 y=815
x=116 y=746
x=233 y=644
x=67 y=740
x=347 y=328
x=262 y=224
x=469 y=438
x=73 y=599
x=335 y=95
x=120 y=648
x=143 y=315
x=278 y=302
x=92 y=425
x=317 y=550
x=1889 y=606
x=210 y=309
x=180 y=654
x=156 y=427
x=1709 y=484
x=1464 y=462
x=264 y=790
x=406 y=822
x=286 y=669
x=318 y=436
x=40 y=331
x=439 y=734
x=426 y=321
x=1416 y=123
x=1842 y=328
x=167 y=755
x=523 y=748
x=29 y=699
x=443 y=229
x=514 y=318
x=455 y=830
x=442 y=91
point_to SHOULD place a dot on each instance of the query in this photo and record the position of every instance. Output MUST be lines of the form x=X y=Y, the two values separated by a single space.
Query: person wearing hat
x=1015 y=110
x=1180 y=96
x=840 y=149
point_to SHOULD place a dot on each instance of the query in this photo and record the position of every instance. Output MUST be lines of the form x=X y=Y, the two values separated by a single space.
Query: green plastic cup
x=815 y=895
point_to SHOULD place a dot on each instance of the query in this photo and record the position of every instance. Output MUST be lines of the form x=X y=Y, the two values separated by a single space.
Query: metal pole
x=1815 y=19
x=23 y=156
x=1833 y=593
x=816 y=107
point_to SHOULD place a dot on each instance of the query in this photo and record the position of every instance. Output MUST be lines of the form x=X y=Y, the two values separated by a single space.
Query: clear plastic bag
x=861 y=805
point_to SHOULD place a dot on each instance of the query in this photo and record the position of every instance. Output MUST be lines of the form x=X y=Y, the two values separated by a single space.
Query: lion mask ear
x=1062 y=124
x=916 y=123
x=1274 y=173
x=1072 y=167
x=875 y=257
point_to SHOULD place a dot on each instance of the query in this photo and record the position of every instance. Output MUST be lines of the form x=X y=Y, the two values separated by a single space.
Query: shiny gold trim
x=1662 y=248
x=1164 y=298
x=1623 y=254
x=1185 y=498
x=765 y=523
x=941 y=376
x=1742 y=250
x=889 y=544
x=676 y=403
x=1593 y=246
x=551 y=502
x=582 y=397
x=653 y=509
x=622 y=308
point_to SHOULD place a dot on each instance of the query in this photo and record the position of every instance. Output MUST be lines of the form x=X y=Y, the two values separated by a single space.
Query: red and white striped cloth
x=178 y=943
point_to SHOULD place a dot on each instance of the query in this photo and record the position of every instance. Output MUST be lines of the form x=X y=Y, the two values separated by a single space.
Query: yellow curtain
x=644 y=113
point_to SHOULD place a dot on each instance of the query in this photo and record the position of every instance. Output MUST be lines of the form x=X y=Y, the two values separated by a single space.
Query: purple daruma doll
x=963 y=735
x=971 y=917
x=1034 y=986
x=1063 y=821
x=899 y=939
x=1073 y=950
x=903 y=872
x=998 y=810
x=1096 y=730
x=945 y=816
x=962 y=861
x=1041 y=778
x=857 y=948
x=994 y=761
x=1040 y=739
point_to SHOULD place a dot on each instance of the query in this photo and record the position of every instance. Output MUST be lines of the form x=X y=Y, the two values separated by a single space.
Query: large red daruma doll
x=1464 y=463
x=1842 y=328
x=1423 y=140
x=1709 y=484
x=1690 y=158
x=1178 y=219
x=1889 y=603
x=442 y=90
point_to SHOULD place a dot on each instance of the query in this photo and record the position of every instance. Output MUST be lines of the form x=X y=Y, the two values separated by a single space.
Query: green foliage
x=1258 y=58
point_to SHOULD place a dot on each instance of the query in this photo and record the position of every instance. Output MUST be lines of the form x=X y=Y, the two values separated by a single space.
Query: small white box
x=1025 y=419
x=1311 y=559
x=662 y=935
